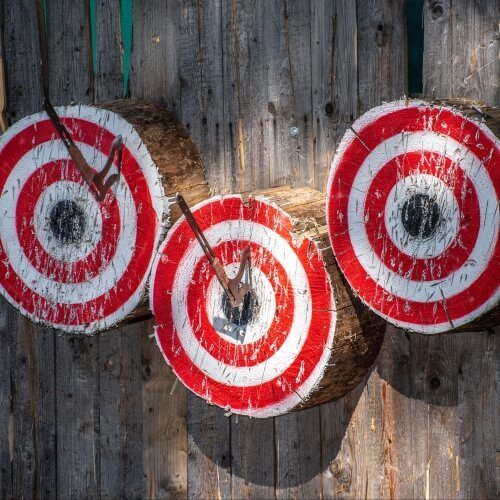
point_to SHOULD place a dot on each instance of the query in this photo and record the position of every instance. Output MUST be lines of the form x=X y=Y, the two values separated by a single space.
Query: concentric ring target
x=66 y=259
x=413 y=215
x=265 y=357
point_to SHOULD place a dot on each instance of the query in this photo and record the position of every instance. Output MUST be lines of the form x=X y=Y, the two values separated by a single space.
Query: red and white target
x=265 y=357
x=413 y=215
x=66 y=259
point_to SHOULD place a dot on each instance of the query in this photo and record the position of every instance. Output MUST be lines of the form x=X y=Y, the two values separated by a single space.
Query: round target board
x=268 y=355
x=66 y=259
x=412 y=209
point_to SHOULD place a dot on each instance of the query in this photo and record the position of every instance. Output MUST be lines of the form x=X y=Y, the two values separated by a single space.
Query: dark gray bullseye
x=67 y=222
x=242 y=314
x=420 y=216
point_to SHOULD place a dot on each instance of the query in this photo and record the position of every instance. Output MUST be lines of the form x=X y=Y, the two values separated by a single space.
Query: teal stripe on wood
x=93 y=33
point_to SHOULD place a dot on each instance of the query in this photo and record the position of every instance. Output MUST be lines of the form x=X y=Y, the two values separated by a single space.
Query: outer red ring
x=267 y=394
x=104 y=305
x=61 y=271
x=408 y=119
x=460 y=248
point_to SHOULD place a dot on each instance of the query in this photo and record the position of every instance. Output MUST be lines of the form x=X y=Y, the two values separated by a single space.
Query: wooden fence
x=102 y=416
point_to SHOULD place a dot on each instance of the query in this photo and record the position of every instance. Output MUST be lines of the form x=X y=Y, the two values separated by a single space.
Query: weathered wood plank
x=209 y=451
x=78 y=435
x=201 y=84
x=438 y=31
x=298 y=457
x=6 y=416
x=475 y=46
x=154 y=63
x=474 y=472
x=22 y=60
x=108 y=71
x=164 y=413
x=252 y=458
x=120 y=414
x=334 y=79
x=267 y=94
x=68 y=57
x=381 y=52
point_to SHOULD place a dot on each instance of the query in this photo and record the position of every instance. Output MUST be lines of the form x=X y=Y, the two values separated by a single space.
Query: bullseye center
x=242 y=314
x=420 y=216
x=67 y=222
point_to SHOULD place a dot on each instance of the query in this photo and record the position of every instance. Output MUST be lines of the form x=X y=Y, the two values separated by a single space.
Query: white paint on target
x=413 y=215
x=288 y=339
x=68 y=260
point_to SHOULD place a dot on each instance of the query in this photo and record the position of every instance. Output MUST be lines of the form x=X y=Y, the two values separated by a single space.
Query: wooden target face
x=413 y=215
x=66 y=259
x=264 y=357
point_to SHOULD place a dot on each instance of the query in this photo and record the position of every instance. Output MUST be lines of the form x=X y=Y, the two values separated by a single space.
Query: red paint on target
x=68 y=260
x=412 y=210
x=280 y=358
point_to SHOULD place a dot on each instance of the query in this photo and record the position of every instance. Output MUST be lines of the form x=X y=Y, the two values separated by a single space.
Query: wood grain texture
x=380 y=52
x=334 y=79
x=120 y=412
x=164 y=433
x=267 y=94
x=78 y=420
x=154 y=63
x=202 y=85
x=67 y=47
x=209 y=451
x=108 y=72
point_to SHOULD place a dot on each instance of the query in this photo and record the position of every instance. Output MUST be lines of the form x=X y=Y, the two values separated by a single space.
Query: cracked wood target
x=413 y=213
x=67 y=259
x=294 y=341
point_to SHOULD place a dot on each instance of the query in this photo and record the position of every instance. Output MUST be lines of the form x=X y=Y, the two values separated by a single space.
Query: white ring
x=291 y=347
x=447 y=227
x=66 y=293
x=67 y=191
x=461 y=279
x=265 y=311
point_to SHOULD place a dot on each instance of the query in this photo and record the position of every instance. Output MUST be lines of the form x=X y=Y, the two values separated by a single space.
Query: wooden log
x=69 y=260
x=413 y=213
x=298 y=339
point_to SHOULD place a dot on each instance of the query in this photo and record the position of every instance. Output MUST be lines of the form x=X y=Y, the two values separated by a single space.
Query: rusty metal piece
x=96 y=181
x=231 y=287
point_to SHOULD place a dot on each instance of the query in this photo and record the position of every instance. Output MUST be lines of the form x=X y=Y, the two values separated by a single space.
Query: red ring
x=408 y=119
x=229 y=353
x=62 y=271
x=284 y=385
x=107 y=303
x=457 y=253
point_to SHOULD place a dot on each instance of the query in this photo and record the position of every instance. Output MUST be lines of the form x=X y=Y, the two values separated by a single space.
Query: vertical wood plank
x=6 y=415
x=164 y=409
x=476 y=65
x=154 y=63
x=252 y=458
x=202 y=86
x=78 y=446
x=22 y=60
x=475 y=470
x=209 y=450
x=267 y=94
x=381 y=52
x=108 y=70
x=334 y=79
x=68 y=52
x=298 y=456
x=120 y=415
x=437 y=69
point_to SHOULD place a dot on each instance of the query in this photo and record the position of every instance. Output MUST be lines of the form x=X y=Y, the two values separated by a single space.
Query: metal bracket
x=234 y=291
x=96 y=181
